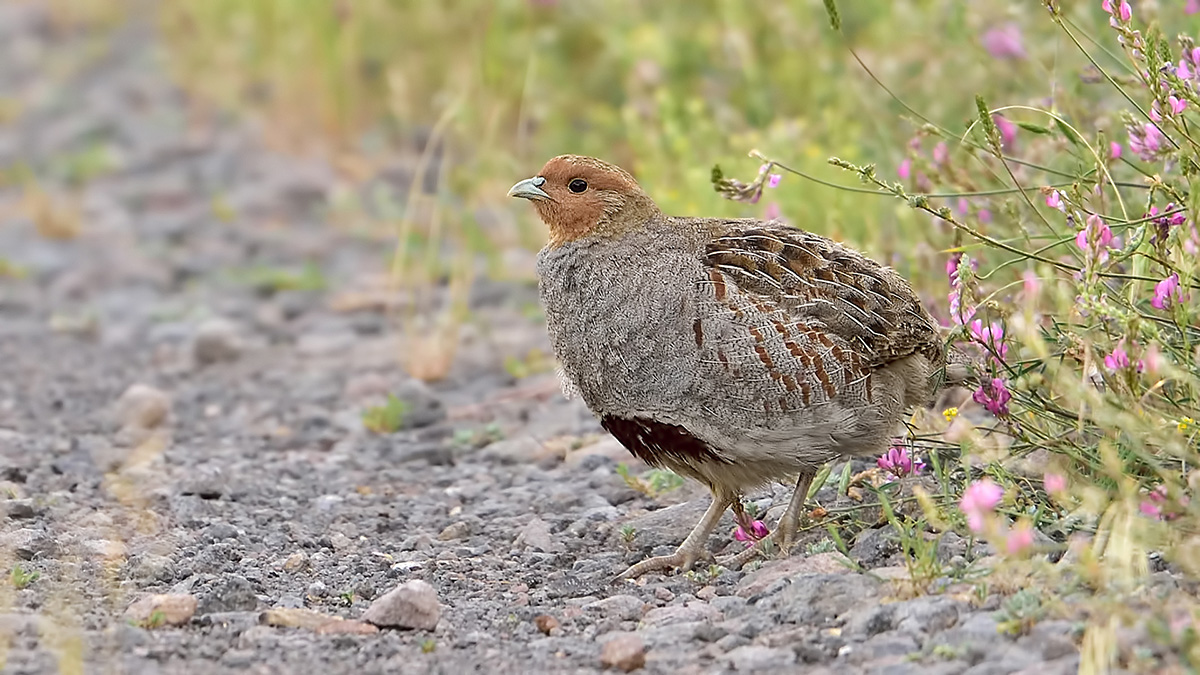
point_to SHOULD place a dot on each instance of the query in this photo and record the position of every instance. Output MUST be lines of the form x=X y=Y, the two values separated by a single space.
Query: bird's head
x=579 y=196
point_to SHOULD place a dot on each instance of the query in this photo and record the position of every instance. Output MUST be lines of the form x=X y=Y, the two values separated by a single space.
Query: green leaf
x=1068 y=132
x=1035 y=128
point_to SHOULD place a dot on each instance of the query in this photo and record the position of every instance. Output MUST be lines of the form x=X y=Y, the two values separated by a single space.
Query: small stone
x=545 y=623
x=19 y=508
x=154 y=611
x=623 y=651
x=673 y=614
x=366 y=386
x=105 y=548
x=758 y=659
x=216 y=340
x=664 y=594
x=142 y=407
x=346 y=627
x=296 y=561
x=290 y=602
x=284 y=617
x=421 y=406
x=25 y=542
x=231 y=594
x=318 y=589
x=536 y=535
x=874 y=547
x=413 y=604
x=619 y=607
x=519 y=450
x=458 y=530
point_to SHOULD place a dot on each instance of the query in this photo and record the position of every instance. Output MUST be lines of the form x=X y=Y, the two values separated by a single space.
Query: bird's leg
x=785 y=532
x=691 y=548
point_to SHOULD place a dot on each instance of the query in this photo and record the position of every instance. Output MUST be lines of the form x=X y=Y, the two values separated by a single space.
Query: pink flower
x=1154 y=359
x=940 y=153
x=1118 y=359
x=994 y=397
x=1146 y=140
x=899 y=463
x=1152 y=504
x=1019 y=540
x=1177 y=104
x=772 y=211
x=952 y=268
x=1192 y=7
x=1055 y=201
x=991 y=336
x=978 y=500
x=1031 y=283
x=1126 y=11
x=773 y=180
x=1004 y=42
x=757 y=530
x=1114 y=148
x=905 y=169
x=1056 y=483
x=1182 y=71
x=1165 y=291
x=1008 y=131
x=1155 y=505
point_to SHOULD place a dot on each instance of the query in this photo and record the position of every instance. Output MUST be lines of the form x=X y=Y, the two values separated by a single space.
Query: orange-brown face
x=576 y=196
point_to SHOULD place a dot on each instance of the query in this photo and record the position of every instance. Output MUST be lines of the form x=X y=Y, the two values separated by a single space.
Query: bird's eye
x=577 y=185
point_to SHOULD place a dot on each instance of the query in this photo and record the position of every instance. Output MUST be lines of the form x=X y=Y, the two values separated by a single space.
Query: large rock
x=413 y=604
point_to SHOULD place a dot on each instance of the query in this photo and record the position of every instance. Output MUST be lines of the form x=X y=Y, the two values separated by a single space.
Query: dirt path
x=237 y=471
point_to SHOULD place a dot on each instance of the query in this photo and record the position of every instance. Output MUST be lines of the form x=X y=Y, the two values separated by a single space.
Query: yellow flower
x=950 y=414
x=1185 y=423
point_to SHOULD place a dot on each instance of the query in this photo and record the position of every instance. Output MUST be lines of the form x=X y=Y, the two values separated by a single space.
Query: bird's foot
x=681 y=559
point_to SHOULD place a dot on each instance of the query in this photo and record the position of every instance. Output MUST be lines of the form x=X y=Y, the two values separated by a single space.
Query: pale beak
x=530 y=188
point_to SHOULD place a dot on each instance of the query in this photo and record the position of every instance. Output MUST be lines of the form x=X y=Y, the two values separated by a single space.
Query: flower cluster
x=958 y=273
x=1096 y=238
x=900 y=463
x=1122 y=11
x=1119 y=359
x=1158 y=505
x=978 y=504
x=1166 y=291
x=991 y=337
x=994 y=397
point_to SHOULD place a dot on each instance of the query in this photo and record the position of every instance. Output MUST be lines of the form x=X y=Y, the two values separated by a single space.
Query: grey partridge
x=733 y=351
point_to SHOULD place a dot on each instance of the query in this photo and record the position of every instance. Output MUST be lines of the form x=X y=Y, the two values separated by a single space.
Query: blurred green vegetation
x=664 y=89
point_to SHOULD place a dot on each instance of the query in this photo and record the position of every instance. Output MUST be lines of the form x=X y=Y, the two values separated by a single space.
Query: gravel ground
x=171 y=427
